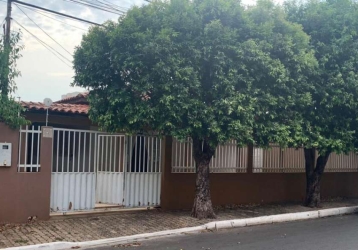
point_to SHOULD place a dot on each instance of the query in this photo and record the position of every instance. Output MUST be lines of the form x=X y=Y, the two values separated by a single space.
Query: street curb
x=209 y=226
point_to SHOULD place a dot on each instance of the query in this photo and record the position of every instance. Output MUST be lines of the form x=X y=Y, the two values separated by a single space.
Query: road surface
x=334 y=233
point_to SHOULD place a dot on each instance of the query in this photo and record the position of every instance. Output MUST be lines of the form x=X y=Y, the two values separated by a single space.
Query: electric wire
x=43 y=30
x=111 y=5
x=52 y=50
x=86 y=4
x=41 y=13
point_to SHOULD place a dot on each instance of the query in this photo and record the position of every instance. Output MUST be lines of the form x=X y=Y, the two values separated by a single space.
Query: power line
x=55 y=12
x=43 y=31
x=52 y=50
x=112 y=5
x=95 y=6
x=41 y=13
x=105 y=4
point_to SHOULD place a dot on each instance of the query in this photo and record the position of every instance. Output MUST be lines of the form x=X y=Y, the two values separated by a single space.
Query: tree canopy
x=193 y=68
x=212 y=70
x=284 y=87
x=330 y=122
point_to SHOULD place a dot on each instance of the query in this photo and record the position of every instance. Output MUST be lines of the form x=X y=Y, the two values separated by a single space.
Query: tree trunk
x=313 y=176
x=202 y=207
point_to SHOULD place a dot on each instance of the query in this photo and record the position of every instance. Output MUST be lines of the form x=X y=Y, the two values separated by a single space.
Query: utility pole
x=8 y=23
x=5 y=85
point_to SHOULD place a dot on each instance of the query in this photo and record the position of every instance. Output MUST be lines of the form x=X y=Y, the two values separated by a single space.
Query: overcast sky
x=43 y=74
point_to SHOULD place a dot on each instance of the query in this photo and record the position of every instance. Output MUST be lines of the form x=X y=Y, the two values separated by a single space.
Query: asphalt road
x=335 y=233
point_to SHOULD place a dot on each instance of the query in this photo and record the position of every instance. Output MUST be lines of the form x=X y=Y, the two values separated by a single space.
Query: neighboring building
x=69 y=95
x=70 y=112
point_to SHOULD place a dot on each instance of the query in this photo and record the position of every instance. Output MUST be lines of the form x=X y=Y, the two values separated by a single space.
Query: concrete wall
x=24 y=194
x=28 y=194
x=178 y=189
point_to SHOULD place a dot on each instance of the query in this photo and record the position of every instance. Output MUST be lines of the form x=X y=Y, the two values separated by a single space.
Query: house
x=69 y=112
x=72 y=166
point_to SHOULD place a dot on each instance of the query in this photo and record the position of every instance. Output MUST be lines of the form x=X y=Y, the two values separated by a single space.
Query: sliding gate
x=91 y=167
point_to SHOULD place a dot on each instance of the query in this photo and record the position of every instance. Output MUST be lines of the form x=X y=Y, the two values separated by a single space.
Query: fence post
x=166 y=168
x=46 y=165
x=250 y=158
x=281 y=160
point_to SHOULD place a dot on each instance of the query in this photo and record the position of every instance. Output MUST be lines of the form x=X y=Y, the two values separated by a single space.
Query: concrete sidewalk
x=77 y=229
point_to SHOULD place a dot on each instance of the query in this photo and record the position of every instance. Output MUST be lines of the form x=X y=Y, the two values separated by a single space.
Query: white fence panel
x=142 y=189
x=89 y=167
x=228 y=158
x=110 y=168
x=73 y=185
x=278 y=160
x=72 y=191
x=342 y=162
x=29 y=149
x=143 y=173
x=182 y=156
x=110 y=188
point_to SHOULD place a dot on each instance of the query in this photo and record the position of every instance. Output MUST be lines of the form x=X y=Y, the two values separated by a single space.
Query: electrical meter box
x=5 y=154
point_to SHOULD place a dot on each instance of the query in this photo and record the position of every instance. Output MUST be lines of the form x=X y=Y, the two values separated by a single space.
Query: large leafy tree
x=193 y=69
x=10 y=110
x=330 y=121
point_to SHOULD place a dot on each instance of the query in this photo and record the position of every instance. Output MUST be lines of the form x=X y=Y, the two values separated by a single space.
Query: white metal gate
x=143 y=173
x=90 y=167
x=73 y=179
x=110 y=169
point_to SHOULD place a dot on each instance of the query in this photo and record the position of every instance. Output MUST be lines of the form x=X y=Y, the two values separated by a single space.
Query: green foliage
x=206 y=69
x=284 y=66
x=10 y=110
x=8 y=58
x=331 y=119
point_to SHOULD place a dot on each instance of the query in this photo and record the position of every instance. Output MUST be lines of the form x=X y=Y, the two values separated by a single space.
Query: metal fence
x=143 y=173
x=291 y=160
x=73 y=179
x=92 y=167
x=278 y=160
x=110 y=169
x=228 y=158
x=182 y=156
x=342 y=163
x=29 y=149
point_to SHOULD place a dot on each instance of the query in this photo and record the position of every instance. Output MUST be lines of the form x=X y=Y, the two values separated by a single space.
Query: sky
x=43 y=75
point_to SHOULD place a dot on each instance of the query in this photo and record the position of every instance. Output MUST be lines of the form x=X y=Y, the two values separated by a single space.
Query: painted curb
x=216 y=225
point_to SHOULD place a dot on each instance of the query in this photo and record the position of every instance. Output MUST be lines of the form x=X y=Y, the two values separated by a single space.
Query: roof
x=78 y=99
x=58 y=107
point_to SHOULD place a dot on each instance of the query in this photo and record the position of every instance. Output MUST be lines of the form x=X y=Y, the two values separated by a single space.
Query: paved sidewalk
x=131 y=223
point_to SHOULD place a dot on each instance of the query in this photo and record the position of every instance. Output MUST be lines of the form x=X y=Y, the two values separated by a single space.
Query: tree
x=9 y=54
x=330 y=121
x=190 y=69
x=10 y=110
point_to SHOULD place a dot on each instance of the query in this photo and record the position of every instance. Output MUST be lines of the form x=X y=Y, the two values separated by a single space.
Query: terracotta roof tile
x=58 y=107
